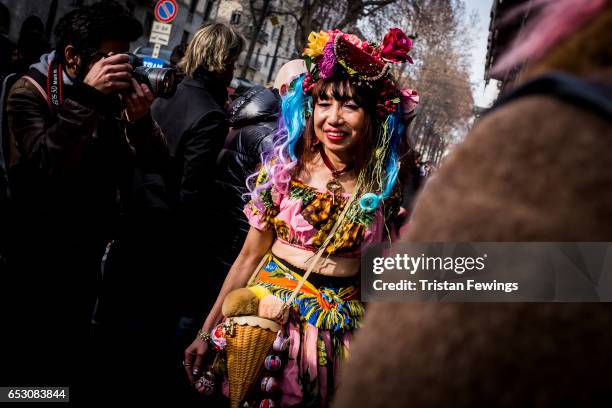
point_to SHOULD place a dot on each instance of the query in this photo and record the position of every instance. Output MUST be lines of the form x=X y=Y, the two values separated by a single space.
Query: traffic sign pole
x=165 y=12
x=156 y=49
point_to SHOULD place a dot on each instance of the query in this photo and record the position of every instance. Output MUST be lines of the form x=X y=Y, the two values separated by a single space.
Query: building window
x=235 y=18
x=208 y=9
x=193 y=5
x=185 y=37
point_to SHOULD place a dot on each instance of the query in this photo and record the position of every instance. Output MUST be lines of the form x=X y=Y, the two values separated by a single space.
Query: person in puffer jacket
x=253 y=120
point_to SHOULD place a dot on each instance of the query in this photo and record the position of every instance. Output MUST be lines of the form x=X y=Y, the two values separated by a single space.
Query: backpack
x=7 y=84
x=5 y=192
x=41 y=83
x=5 y=189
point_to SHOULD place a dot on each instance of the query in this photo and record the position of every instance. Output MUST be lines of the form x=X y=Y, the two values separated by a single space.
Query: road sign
x=160 y=33
x=166 y=10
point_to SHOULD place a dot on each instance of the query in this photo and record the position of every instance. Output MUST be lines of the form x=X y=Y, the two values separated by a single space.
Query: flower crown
x=334 y=52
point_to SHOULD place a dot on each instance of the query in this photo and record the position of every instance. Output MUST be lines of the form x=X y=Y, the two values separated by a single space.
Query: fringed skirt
x=320 y=326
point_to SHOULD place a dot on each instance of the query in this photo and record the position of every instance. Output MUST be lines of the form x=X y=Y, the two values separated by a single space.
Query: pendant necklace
x=333 y=185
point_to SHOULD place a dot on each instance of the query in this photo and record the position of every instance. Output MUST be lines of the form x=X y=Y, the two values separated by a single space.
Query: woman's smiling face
x=338 y=121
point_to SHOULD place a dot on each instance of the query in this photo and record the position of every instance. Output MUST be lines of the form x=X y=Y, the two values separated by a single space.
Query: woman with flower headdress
x=328 y=187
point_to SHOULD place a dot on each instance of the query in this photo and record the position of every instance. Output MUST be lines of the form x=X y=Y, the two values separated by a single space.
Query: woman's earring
x=314 y=144
x=308 y=110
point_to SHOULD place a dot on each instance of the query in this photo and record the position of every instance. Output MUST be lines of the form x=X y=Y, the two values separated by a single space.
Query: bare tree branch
x=287 y=13
x=377 y=3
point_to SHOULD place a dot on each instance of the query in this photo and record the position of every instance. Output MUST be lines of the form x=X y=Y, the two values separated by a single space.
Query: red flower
x=308 y=84
x=395 y=46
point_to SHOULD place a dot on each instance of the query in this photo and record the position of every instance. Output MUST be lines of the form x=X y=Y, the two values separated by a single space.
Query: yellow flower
x=316 y=43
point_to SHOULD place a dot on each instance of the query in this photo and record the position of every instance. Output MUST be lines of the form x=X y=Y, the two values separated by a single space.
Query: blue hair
x=293 y=107
x=281 y=159
x=395 y=129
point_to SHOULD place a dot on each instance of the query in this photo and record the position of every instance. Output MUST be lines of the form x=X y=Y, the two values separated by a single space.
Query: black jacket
x=69 y=169
x=253 y=119
x=194 y=122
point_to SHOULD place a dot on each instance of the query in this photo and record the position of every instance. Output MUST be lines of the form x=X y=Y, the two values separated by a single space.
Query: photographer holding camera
x=79 y=125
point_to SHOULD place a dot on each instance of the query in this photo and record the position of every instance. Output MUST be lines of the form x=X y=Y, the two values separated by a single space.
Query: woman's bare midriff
x=301 y=258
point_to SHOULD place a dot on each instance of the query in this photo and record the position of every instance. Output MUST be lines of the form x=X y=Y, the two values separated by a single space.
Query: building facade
x=502 y=32
x=274 y=39
x=274 y=43
x=191 y=15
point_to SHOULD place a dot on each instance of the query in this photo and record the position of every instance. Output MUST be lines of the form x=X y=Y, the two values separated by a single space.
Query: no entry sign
x=166 y=10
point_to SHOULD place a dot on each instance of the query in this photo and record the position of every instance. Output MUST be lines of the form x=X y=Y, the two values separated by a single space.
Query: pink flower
x=395 y=46
x=327 y=63
x=409 y=100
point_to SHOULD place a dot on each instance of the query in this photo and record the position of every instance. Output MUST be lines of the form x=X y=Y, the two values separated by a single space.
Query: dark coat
x=195 y=125
x=68 y=169
x=253 y=119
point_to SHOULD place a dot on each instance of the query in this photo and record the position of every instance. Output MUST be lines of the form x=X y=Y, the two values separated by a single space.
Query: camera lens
x=161 y=81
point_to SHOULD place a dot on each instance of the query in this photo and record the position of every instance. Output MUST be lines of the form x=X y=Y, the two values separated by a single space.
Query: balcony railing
x=254 y=64
x=261 y=38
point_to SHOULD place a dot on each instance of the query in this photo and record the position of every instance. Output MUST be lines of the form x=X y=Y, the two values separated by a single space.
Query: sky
x=483 y=96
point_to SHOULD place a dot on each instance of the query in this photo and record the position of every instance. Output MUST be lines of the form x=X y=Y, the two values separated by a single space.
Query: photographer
x=79 y=125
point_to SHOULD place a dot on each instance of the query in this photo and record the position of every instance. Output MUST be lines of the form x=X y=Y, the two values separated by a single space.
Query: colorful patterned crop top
x=303 y=217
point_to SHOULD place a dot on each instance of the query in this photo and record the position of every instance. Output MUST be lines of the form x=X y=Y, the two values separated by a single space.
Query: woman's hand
x=194 y=355
x=254 y=248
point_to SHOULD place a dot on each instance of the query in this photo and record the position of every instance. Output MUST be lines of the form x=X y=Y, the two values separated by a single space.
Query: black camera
x=161 y=81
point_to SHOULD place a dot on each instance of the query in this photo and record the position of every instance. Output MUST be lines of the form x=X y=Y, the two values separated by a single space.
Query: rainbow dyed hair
x=336 y=56
x=377 y=178
x=280 y=161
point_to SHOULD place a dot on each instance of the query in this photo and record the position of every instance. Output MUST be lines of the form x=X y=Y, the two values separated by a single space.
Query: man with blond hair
x=194 y=123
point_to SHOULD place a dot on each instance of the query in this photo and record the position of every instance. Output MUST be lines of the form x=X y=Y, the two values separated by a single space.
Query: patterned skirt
x=320 y=326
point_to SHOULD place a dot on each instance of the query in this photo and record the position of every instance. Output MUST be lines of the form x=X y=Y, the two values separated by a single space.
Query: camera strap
x=55 y=84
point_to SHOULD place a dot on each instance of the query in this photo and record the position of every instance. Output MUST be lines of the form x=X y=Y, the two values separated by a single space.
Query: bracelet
x=204 y=336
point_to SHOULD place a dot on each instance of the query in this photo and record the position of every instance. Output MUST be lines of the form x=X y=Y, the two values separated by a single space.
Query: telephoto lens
x=161 y=81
